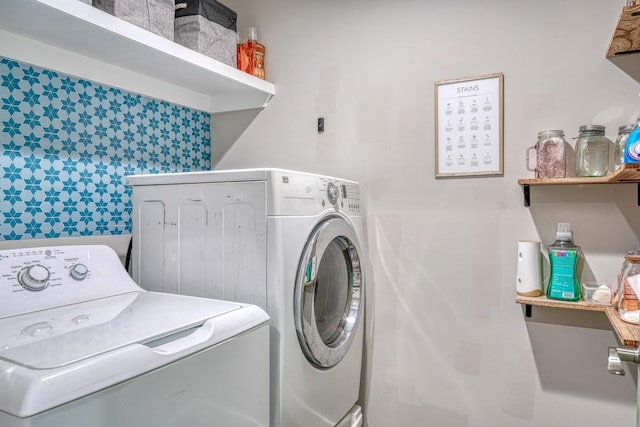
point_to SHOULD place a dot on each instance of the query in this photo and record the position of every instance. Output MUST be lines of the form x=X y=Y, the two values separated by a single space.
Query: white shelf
x=82 y=29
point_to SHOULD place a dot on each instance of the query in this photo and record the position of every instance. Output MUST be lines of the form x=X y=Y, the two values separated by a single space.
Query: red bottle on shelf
x=251 y=55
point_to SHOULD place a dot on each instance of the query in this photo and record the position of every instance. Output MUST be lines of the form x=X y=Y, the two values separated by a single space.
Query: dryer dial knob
x=333 y=193
x=34 y=278
x=78 y=271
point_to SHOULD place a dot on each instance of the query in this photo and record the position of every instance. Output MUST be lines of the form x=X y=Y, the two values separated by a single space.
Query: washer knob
x=78 y=271
x=34 y=278
x=332 y=193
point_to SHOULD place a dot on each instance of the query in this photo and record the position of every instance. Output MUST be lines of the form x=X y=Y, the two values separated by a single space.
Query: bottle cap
x=564 y=231
x=252 y=33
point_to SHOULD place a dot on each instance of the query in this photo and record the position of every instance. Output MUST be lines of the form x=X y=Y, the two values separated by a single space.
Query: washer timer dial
x=34 y=278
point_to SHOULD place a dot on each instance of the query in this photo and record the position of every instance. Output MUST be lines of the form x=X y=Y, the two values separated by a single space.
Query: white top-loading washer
x=81 y=344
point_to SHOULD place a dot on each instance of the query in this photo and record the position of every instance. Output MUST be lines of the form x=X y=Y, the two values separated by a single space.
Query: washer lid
x=61 y=336
x=52 y=357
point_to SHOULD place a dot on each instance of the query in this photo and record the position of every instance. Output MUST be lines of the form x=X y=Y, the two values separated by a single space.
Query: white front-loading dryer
x=287 y=241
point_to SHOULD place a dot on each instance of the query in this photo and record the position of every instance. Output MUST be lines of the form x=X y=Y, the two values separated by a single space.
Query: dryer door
x=328 y=292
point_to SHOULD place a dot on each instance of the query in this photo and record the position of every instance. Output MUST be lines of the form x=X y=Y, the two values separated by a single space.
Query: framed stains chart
x=469 y=126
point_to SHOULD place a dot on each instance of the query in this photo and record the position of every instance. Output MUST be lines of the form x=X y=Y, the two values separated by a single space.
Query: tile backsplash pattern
x=67 y=144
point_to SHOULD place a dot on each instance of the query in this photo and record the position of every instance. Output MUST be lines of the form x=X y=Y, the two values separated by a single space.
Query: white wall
x=448 y=346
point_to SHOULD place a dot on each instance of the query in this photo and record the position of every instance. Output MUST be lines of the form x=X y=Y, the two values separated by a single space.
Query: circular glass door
x=328 y=292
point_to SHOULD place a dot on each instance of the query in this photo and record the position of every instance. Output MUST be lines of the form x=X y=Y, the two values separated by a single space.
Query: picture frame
x=469 y=126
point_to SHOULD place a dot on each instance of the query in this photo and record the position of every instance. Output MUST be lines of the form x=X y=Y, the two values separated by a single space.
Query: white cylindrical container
x=529 y=269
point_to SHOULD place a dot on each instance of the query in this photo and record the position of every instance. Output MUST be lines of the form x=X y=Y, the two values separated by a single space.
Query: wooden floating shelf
x=627 y=333
x=626 y=174
x=624 y=49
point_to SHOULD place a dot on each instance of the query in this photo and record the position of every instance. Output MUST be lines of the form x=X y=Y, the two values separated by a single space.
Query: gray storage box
x=156 y=16
x=208 y=27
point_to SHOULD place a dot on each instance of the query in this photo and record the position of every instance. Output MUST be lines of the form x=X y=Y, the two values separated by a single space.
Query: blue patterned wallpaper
x=66 y=144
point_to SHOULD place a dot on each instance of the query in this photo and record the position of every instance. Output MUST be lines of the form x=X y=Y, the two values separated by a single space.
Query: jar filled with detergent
x=592 y=151
x=632 y=150
x=628 y=305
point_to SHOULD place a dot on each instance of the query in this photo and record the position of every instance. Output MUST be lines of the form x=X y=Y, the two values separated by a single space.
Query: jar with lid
x=551 y=159
x=621 y=144
x=628 y=305
x=592 y=151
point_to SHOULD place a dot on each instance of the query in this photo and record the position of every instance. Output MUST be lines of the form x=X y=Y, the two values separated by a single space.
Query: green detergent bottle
x=563 y=257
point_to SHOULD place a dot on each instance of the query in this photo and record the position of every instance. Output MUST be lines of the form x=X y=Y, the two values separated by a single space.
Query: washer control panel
x=34 y=279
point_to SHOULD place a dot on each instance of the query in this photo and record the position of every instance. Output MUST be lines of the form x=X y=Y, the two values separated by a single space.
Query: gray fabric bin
x=156 y=16
x=208 y=27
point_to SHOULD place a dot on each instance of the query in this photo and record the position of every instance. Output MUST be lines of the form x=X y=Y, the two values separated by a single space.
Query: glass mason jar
x=551 y=159
x=621 y=144
x=628 y=305
x=592 y=151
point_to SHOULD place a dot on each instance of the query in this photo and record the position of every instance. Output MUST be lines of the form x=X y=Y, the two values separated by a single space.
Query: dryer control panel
x=33 y=279
x=293 y=193
x=343 y=195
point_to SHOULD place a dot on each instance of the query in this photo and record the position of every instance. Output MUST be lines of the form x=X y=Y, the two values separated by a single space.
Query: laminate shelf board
x=626 y=174
x=627 y=333
x=624 y=49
